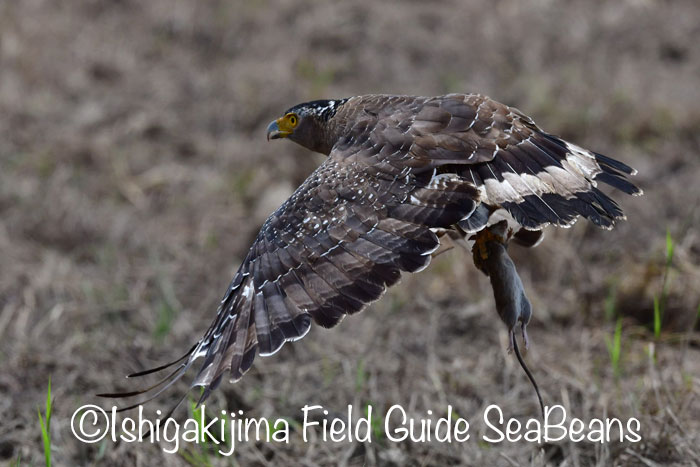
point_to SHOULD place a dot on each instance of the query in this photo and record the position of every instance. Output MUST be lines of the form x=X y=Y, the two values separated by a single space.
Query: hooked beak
x=274 y=131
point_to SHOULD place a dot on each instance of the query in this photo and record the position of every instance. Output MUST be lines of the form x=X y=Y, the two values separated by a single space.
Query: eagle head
x=307 y=124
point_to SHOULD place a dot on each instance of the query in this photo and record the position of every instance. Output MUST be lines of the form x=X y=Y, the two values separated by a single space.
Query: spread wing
x=344 y=236
x=537 y=177
x=405 y=166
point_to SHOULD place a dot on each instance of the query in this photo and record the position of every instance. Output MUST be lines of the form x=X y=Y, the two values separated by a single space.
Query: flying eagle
x=403 y=174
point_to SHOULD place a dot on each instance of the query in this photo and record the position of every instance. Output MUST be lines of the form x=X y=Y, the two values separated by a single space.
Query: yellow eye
x=293 y=120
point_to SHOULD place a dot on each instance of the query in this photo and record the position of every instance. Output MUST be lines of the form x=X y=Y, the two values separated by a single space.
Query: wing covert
x=344 y=236
x=537 y=177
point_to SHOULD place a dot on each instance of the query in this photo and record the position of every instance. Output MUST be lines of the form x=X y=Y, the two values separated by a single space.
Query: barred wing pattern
x=400 y=169
x=537 y=177
x=342 y=238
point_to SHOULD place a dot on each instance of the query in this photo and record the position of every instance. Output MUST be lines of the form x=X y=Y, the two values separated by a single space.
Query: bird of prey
x=403 y=175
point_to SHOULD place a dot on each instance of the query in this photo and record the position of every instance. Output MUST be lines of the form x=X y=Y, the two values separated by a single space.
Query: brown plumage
x=401 y=171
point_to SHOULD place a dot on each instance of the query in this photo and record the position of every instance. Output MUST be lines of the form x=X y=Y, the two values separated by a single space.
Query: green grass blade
x=657 y=317
x=669 y=248
x=615 y=347
x=45 y=423
x=46 y=438
x=660 y=302
x=48 y=405
x=376 y=425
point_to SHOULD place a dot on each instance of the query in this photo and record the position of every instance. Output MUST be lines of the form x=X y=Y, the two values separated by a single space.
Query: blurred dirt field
x=134 y=174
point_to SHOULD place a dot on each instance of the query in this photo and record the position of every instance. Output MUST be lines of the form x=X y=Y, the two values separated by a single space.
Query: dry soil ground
x=134 y=173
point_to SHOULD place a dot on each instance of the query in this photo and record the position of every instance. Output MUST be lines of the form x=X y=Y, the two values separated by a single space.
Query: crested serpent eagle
x=403 y=176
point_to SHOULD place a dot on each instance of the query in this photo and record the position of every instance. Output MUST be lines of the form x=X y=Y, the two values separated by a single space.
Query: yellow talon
x=480 y=249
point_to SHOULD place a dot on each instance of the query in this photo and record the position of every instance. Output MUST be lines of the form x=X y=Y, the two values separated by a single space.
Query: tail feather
x=162 y=367
x=545 y=180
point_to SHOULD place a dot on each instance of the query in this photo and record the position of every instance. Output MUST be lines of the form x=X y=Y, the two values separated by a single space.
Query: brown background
x=134 y=173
